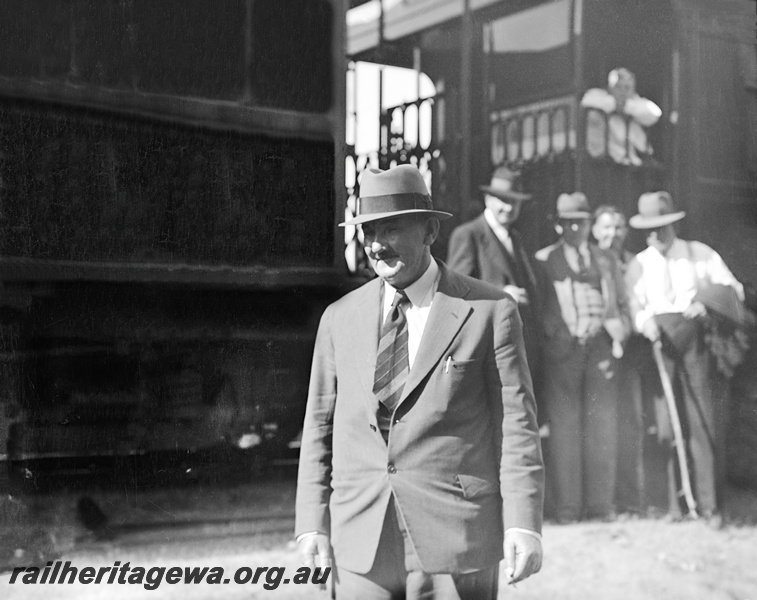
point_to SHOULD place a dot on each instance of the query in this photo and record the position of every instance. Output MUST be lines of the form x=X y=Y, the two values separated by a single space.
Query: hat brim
x=642 y=222
x=575 y=215
x=360 y=219
x=504 y=195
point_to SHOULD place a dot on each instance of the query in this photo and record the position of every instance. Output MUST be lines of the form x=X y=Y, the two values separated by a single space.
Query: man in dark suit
x=586 y=322
x=488 y=248
x=420 y=465
x=610 y=230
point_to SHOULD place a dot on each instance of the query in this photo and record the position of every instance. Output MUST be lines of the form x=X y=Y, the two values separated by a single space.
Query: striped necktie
x=667 y=283
x=392 y=363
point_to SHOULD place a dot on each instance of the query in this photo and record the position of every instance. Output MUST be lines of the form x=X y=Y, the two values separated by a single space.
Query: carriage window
x=271 y=53
x=291 y=54
x=533 y=131
x=528 y=52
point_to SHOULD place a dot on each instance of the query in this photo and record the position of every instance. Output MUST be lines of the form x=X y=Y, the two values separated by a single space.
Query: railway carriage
x=170 y=182
x=510 y=76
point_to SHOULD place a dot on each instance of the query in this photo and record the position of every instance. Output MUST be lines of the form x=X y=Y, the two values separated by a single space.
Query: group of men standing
x=421 y=463
x=593 y=309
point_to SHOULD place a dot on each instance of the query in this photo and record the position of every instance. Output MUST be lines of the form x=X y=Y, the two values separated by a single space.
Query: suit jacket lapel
x=522 y=255
x=366 y=317
x=448 y=313
x=491 y=241
x=562 y=262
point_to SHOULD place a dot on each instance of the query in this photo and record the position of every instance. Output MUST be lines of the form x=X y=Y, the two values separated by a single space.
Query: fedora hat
x=398 y=191
x=573 y=206
x=655 y=210
x=502 y=183
x=723 y=300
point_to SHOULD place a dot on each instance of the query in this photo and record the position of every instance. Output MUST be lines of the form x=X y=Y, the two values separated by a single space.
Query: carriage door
x=530 y=107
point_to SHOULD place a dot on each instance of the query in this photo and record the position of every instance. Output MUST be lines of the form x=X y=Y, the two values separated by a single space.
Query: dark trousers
x=581 y=400
x=637 y=386
x=702 y=401
x=397 y=575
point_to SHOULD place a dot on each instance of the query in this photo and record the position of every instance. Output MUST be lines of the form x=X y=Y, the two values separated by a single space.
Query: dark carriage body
x=170 y=183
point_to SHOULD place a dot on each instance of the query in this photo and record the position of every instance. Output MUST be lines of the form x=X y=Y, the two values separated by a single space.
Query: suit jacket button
x=391 y=468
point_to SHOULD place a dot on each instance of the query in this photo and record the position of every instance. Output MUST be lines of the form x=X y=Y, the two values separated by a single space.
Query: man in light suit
x=420 y=487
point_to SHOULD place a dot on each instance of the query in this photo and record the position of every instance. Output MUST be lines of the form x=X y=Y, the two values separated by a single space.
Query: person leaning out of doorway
x=586 y=322
x=625 y=113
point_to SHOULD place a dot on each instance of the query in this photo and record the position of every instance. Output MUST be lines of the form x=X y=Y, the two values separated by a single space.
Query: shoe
x=566 y=520
x=673 y=518
x=714 y=520
x=655 y=512
x=608 y=517
x=603 y=517
x=630 y=515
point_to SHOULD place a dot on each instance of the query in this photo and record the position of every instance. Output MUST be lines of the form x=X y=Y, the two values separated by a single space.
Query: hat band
x=393 y=203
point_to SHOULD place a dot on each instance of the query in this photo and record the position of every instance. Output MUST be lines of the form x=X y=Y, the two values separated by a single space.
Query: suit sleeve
x=646 y=112
x=599 y=99
x=521 y=464
x=716 y=269
x=462 y=256
x=553 y=326
x=314 y=474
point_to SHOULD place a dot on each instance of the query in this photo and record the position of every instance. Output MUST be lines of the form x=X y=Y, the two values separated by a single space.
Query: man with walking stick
x=667 y=284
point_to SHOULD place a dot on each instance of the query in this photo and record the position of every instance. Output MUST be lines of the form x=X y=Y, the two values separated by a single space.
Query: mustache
x=382 y=255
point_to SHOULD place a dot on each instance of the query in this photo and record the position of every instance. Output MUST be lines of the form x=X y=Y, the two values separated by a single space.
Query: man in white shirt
x=420 y=465
x=626 y=113
x=663 y=282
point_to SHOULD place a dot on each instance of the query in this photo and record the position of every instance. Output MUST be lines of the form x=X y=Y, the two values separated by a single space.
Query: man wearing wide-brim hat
x=489 y=248
x=420 y=465
x=586 y=322
x=666 y=284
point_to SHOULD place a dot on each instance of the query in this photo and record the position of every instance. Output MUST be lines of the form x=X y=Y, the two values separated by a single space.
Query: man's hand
x=519 y=293
x=651 y=330
x=616 y=329
x=315 y=550
x=696 y=309
x=523 y=555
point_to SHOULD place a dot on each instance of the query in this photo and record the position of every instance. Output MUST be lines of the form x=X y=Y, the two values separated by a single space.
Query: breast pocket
x=457 y=382
x=463 y=365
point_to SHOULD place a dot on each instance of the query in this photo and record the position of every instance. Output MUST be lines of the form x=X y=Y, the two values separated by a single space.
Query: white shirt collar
x=571 y=255
x=421 y=291
x=583 y=249
x=496 y=226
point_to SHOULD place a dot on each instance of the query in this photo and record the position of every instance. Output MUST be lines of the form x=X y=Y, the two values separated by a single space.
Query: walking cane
x=675 y=419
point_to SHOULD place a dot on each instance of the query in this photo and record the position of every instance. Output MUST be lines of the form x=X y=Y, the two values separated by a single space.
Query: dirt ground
x=250 y=524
